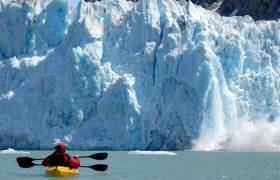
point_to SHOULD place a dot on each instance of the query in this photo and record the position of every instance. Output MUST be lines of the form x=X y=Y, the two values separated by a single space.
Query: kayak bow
x=61 y=171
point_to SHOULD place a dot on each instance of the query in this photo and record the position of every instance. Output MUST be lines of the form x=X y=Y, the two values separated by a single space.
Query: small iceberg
x=152 y=153
x=12 y=151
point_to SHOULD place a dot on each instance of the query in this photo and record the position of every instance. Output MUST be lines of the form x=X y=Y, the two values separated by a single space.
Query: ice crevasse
x=115 y=74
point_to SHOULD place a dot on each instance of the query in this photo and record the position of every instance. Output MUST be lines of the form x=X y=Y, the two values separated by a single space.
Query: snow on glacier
x=115 y=74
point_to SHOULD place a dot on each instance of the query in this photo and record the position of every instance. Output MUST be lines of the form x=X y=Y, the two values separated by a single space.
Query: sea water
x=182 y=165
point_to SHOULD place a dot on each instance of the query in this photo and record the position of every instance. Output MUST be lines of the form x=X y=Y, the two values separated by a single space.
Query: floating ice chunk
x=167 y=153
x=12 y=151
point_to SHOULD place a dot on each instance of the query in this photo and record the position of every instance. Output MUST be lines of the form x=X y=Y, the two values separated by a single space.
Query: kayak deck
x=61 y=171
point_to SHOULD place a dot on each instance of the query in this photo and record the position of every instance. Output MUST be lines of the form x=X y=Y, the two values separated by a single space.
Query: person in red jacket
x=60 y=158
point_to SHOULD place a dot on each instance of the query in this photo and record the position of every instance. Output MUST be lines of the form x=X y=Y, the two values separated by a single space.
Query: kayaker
x=60 y=158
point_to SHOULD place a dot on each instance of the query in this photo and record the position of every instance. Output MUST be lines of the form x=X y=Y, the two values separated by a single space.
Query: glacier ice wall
x=115 y=74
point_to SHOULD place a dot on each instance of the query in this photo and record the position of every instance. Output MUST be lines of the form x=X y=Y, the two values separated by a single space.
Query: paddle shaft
x=37 y=159
x=78 y=157
x=96 y=165
x=37 y=164
x=84 y=157
x=97 y=156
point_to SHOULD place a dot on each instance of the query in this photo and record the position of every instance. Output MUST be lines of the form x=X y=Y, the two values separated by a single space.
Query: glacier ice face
x=115 y=74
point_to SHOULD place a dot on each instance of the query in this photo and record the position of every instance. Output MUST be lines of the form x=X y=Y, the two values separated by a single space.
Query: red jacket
x=61 y=159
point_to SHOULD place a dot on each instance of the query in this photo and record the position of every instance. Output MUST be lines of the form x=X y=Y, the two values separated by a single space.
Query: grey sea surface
x=185 y=165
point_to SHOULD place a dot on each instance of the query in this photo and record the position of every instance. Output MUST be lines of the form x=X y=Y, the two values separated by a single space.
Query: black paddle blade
x=25 y=162
x=97 y=167
x=99 y=156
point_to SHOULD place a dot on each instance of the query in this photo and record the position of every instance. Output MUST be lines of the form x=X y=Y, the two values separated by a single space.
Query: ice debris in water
x=12 y=151
x=168 y=153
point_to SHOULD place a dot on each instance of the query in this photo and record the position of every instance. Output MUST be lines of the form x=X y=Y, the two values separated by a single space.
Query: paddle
x=97 y=156
x=29 y=164
x=97 y=167
x=26 y=162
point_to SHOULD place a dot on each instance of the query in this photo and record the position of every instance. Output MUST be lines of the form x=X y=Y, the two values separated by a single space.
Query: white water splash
x=260 y=135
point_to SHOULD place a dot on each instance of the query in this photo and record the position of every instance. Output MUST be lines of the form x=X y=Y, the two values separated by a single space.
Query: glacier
x=151 y=75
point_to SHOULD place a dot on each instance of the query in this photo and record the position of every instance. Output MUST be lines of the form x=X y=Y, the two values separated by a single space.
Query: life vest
x=57 y=159
x=61 y=159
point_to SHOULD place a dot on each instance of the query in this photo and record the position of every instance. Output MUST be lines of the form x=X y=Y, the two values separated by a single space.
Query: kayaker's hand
x=74 y=162
x=46 y=162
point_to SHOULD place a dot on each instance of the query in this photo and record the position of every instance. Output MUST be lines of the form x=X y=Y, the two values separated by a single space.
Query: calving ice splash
x=157 y=75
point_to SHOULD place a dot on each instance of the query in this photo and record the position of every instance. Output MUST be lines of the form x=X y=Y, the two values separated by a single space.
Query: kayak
x=61 y=171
